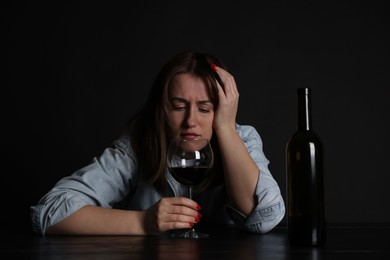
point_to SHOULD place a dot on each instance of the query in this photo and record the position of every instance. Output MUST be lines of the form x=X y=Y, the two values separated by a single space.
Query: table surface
x=359 y=242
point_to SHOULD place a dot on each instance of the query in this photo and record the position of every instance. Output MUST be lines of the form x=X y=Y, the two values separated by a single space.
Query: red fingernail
x=199 y=215
x=190 y=224
x=213 y=67
x=197 y=219
x=198 y=207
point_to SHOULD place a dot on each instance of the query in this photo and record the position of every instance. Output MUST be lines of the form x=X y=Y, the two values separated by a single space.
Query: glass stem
x=190 y=192
x=191 y=230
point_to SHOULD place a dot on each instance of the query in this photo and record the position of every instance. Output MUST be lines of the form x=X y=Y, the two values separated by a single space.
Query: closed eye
x=204 y=110
x=205 y=106
x=178 y=108
x=178 y=105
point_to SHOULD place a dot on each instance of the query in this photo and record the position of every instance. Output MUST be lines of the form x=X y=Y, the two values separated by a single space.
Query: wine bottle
x=305 y=180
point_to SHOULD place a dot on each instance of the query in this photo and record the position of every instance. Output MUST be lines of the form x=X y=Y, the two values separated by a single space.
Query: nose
x=190 y=119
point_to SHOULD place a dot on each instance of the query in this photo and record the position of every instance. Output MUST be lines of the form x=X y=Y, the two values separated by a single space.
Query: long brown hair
x=150 y=130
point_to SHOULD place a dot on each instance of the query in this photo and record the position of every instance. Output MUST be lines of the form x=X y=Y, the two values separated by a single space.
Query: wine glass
x=189 y=162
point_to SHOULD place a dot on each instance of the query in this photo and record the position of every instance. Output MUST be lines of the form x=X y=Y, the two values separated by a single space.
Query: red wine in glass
x=189 y=176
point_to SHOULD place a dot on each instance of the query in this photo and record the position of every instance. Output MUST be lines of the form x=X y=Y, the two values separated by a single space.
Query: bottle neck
x=304 y=109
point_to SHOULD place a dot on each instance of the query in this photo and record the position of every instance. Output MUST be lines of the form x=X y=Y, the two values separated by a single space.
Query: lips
x=189 y=135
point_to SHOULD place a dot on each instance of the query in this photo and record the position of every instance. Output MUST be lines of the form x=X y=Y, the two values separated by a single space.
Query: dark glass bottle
x=305 y=180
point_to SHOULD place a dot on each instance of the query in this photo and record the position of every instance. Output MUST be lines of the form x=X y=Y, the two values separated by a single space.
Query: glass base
x=190 y=233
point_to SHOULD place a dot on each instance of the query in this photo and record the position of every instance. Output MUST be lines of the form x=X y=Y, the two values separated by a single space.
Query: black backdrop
x=77 y=71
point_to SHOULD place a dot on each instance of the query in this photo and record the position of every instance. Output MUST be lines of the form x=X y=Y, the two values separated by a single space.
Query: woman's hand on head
x=225 y=115
x=171 y=213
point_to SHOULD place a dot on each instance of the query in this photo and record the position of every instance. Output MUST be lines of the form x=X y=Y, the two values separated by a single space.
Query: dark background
x=77 y=71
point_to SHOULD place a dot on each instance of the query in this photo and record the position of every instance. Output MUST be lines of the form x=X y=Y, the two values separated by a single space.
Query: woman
x=127 y=190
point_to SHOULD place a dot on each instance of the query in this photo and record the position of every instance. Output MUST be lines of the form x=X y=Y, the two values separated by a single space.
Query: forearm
x=92 y=220
x=241 y=172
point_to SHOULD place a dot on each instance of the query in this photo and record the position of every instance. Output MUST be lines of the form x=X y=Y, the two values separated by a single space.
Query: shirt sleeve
x=270 y=207
x=104 y=182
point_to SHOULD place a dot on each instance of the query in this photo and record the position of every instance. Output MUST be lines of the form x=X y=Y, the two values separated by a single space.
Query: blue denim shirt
x=114 y=176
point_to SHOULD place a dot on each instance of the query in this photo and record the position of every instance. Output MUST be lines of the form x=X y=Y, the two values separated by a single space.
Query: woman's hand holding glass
x=171 y=213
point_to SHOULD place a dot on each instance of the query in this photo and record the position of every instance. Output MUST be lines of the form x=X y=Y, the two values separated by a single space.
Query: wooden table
x=359 y=242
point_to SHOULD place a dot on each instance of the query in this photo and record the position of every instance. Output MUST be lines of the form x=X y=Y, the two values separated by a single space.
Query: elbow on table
x=266 y=226
x=261 y=220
